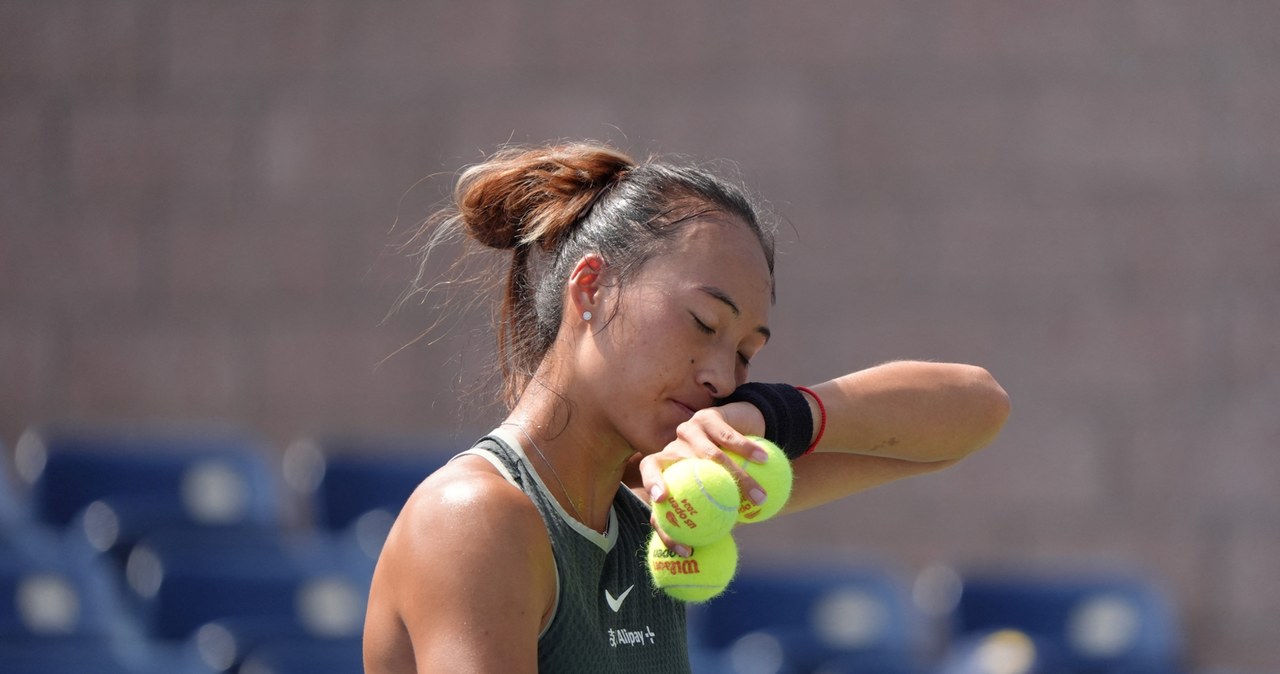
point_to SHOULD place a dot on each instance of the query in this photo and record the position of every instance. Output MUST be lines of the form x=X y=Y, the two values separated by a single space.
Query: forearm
x=910 y=410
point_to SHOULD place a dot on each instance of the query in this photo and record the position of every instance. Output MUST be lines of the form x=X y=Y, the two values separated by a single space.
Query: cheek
x=649 y=372
x=650 y=348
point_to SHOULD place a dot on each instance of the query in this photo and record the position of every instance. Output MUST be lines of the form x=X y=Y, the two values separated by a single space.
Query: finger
x=719 y=426
x=747 y=486
x=743 y=417
x=703 y=435
x=651 y=468
x=737 y=443
x=697 y=436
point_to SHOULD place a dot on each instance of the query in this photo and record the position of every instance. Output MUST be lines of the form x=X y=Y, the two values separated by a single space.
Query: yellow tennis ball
x=698 y=577
x=774 y=475
x=701 y=505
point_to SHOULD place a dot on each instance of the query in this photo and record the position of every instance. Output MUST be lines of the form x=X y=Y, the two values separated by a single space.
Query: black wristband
x=788 y=423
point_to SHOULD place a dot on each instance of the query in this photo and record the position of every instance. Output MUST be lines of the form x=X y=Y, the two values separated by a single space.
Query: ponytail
x=525 y=197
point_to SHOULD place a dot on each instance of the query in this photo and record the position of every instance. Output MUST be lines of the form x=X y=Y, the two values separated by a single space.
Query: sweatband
x=788 y=423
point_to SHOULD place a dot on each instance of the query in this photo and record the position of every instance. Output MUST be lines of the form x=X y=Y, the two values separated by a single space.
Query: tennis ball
x=701 y=504
x=698 y=577
x=774 y=475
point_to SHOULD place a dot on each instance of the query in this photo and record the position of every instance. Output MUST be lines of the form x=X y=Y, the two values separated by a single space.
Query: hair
x=552 y=205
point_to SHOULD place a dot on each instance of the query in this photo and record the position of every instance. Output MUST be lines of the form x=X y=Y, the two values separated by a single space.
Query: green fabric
x=609 y=617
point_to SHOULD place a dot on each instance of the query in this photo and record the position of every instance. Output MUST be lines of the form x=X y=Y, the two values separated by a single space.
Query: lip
x=686 y=407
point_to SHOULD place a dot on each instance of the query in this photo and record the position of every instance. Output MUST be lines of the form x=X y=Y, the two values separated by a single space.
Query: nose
x=718 y=378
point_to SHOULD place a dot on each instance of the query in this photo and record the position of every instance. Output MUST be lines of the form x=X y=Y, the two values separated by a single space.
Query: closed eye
x=703 y=327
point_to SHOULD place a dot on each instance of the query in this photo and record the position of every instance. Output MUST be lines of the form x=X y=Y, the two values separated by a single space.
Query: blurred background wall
x=200 y=201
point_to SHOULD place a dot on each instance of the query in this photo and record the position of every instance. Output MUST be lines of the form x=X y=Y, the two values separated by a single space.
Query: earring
x=586 y=315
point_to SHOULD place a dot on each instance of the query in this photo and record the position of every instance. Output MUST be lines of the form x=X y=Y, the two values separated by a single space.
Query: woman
x=636 y=298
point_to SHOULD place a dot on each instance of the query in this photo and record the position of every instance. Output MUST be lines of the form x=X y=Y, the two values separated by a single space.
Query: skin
x=469 y=563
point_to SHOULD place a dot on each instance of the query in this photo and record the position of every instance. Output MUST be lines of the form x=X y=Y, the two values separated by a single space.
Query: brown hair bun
x=520 y=196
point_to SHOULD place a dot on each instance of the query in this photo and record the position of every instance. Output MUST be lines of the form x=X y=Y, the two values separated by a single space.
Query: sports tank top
x=608 y=617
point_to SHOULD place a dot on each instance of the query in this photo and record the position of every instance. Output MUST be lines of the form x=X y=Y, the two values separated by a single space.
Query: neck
x=578 y=457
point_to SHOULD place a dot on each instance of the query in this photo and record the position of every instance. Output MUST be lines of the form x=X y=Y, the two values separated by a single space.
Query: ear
x=584 y=286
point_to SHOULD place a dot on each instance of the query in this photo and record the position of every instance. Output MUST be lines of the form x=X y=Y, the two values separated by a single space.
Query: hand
x=712 y=433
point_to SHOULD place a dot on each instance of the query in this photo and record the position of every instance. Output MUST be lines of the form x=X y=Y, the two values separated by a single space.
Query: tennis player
x=637 y=296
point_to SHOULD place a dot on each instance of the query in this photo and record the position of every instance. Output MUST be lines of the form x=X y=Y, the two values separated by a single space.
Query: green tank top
x=608 y=617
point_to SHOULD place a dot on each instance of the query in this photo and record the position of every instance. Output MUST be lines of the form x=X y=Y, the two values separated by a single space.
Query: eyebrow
x=733 y=306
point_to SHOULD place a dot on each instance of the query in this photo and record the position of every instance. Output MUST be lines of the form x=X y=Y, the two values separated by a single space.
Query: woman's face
x=679 y=333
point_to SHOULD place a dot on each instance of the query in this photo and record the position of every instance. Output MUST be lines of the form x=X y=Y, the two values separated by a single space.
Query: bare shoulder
x=466 y=507
x=467 y=481
x=468 y=548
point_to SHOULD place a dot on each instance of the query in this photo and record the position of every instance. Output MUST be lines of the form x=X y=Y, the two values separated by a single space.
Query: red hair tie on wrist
x=822 y=425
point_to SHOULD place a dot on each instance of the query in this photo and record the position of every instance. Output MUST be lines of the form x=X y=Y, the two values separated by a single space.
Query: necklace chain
x=568 y=497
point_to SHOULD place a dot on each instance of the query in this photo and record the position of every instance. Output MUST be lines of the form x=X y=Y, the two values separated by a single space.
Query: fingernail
x=655 y=493
x=681 y=550
x=759 y=456
x=757 y=496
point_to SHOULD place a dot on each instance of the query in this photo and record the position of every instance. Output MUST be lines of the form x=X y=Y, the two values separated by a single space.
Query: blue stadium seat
x=838 y=619
x=60 y=612
x=99 y=656
x=1108 y=623
x=336 y=612
x=186 y=578
x=764 y=651
x=356 y=485
x=331 y=656
x=12 y=505
x=115 y=524
x=32 y=543
x=223 y=644
x=347 y=477
x=19 y=535
x=1002 y=651
x=60 y=592
x=215 y=476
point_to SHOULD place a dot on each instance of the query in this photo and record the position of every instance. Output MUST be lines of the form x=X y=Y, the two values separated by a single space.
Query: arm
x=912 y=411
x=884 y=423
x=467 y=565
x=894 y=421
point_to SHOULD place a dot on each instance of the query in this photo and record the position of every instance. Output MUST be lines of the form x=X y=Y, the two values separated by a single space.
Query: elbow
x=991 y=407
x=994 y=398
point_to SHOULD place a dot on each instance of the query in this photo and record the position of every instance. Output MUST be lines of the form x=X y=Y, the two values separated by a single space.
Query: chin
x=652 y=441
x=653 y=437
x=660 y=441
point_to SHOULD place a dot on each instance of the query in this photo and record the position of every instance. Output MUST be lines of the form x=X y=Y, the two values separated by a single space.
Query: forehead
x=722 y=252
